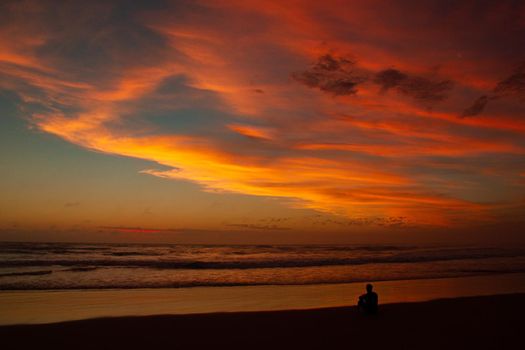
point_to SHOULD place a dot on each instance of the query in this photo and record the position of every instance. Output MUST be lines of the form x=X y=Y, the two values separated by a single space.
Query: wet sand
x=487 y=322
x=51 y=306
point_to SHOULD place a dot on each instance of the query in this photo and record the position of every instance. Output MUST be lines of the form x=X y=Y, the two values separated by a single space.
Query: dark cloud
x=259 y=226
x=334 y=75
x=274 y=219
x=389 y=78
x=137 y=229
x=512 y=86
x=339 y=76
x=477 y=107
x=420 y=88
x=89 y=41
x=390 y=221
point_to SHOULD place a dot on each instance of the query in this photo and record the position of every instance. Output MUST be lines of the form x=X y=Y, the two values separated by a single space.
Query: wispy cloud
x=168 y=85
x=135 y=229
x=511 y=86
x=420 y=88
x=334 y=75
x=477 y=107
x=259 y=227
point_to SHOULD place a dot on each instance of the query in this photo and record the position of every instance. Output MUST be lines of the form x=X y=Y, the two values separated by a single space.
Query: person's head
x=369 y=287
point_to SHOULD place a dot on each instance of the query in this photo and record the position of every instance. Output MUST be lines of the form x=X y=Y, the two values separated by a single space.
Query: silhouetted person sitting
x=368 y=302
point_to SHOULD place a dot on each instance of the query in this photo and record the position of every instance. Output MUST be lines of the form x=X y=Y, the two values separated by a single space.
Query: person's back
x=368 y=302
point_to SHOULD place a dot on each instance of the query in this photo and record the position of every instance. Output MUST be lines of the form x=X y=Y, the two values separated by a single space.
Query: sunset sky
x=213 y=121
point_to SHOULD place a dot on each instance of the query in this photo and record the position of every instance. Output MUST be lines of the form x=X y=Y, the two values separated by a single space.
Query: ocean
x=70 y=266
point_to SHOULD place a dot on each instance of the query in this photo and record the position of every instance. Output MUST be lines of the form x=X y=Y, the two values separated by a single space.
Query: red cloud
x=98 y=87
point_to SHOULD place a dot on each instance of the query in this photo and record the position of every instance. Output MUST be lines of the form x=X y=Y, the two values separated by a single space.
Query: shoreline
x=86 y=289
x=36 y=307
x=483 y=322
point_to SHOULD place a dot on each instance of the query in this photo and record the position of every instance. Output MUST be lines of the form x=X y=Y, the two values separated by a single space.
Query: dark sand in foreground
x=493 y=322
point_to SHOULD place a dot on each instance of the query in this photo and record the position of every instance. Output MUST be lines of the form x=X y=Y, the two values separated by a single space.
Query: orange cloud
x=123 y=229
x=251 y=131
x=237 y=121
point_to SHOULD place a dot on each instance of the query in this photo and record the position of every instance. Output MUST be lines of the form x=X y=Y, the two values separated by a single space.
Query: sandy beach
x=488 y=322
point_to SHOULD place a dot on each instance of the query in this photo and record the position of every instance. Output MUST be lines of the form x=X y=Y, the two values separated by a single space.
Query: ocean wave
x=46 y=248
x=81 y=269
x=287 y=262
x=27 y=273
x=215 y=283
x=133 y=254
